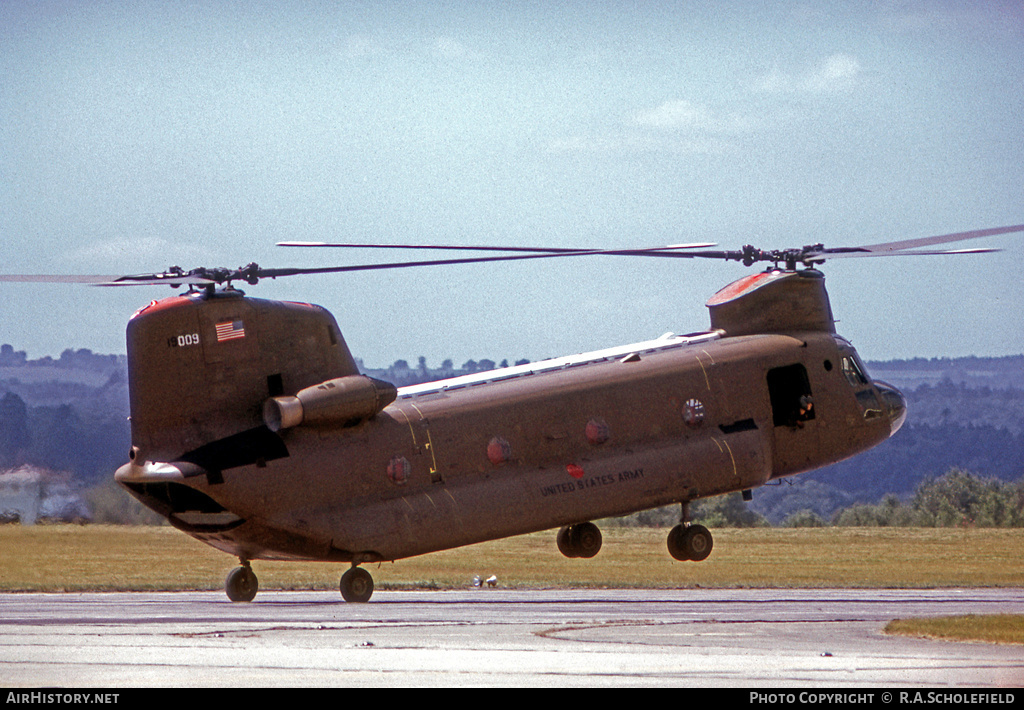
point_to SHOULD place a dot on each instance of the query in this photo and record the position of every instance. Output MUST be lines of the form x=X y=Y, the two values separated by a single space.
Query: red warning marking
x=499 y=450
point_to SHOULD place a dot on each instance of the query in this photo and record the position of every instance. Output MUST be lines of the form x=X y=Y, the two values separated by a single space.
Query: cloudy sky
x=139 y=135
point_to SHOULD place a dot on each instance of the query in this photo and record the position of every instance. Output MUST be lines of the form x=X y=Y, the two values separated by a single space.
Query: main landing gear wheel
x=581 y=540
x=356 y=585
x=241 y=584
x=690 y=543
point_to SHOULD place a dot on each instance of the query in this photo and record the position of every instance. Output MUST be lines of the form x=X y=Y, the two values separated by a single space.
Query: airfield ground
x=814 y=606
x=115 y=558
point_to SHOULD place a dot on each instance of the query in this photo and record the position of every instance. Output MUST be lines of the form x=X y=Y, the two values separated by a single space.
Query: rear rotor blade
x=159 y=280
x=532 y=250
x=274 y=273
x=543 y=254
x=444 y=247
x=110 y=280
x=57 y=278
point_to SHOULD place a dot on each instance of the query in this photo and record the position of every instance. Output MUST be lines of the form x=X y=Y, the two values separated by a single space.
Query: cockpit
x=876 y=399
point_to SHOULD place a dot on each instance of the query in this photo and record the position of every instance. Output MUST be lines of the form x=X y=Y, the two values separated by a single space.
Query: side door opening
x=790 y=391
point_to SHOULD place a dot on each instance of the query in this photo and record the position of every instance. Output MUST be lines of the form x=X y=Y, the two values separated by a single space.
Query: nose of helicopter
x=895 y=405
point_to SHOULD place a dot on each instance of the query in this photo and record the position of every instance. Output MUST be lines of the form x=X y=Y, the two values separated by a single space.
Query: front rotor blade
x=822 y=257
x=886 y=247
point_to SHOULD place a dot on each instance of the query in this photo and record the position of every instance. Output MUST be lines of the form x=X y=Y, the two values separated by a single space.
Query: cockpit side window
x=856 y=376
x=853 y=372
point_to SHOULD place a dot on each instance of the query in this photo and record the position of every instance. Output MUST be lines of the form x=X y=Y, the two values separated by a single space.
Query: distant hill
x=974 y=372
x=965 y=413
x=76 y=377
x=68 y=414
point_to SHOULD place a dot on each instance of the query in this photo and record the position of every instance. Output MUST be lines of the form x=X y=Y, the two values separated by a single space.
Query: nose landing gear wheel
x=241 y=584
x=690 y=543
x=356 y=585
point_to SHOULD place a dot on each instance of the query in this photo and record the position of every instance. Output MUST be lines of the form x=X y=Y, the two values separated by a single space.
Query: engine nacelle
x=344 y=401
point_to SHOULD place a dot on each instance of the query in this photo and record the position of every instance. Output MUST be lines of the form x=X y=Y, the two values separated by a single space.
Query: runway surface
x=492 y=637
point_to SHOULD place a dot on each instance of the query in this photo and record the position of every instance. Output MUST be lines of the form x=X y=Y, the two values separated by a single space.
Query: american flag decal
x=230 y=330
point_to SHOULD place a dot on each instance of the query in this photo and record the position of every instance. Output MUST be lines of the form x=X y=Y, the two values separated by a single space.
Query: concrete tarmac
x=749 y=638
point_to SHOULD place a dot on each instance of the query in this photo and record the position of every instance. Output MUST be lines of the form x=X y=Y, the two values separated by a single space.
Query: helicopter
x=253 y=431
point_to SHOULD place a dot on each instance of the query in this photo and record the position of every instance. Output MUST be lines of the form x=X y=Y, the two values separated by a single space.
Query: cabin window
x=693 y=413
x=790 y=391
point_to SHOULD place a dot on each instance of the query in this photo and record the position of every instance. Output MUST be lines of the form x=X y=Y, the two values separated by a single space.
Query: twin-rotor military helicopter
x=253 y=430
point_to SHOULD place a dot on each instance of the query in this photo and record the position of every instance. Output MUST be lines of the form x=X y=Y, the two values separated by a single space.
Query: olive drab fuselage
x=253 y=431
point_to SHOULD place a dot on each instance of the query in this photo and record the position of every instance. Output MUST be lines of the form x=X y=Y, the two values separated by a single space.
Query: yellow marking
x=732 y=458
x=430 y=447
x=706 y=380
x=412 y=432
x=430 y=442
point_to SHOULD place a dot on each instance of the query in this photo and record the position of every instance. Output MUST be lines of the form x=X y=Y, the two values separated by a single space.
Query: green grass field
x=114 y=558
x=120 y=558
x=989 y=628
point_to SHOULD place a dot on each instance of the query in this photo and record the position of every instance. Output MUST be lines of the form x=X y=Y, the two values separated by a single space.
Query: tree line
x=957 y=498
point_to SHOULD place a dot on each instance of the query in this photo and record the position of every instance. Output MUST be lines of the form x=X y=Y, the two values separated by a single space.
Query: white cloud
x=837 y=72
x=140 y=250
x=634 y=143
x=675 y=114
x=673 y=127
x=449 y=48
x=358 y=46
x=685 y=115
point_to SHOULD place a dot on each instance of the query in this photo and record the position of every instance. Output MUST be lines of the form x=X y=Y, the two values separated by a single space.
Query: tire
x=699 y=542
x=356 y=586
x=564 y=542
x=241 y=584
x=676 y=543
x=691 y=543
x=586 y=539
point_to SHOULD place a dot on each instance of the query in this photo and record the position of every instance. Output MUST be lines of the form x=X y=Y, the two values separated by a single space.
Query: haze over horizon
x=141 y=135
x=497 y=358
